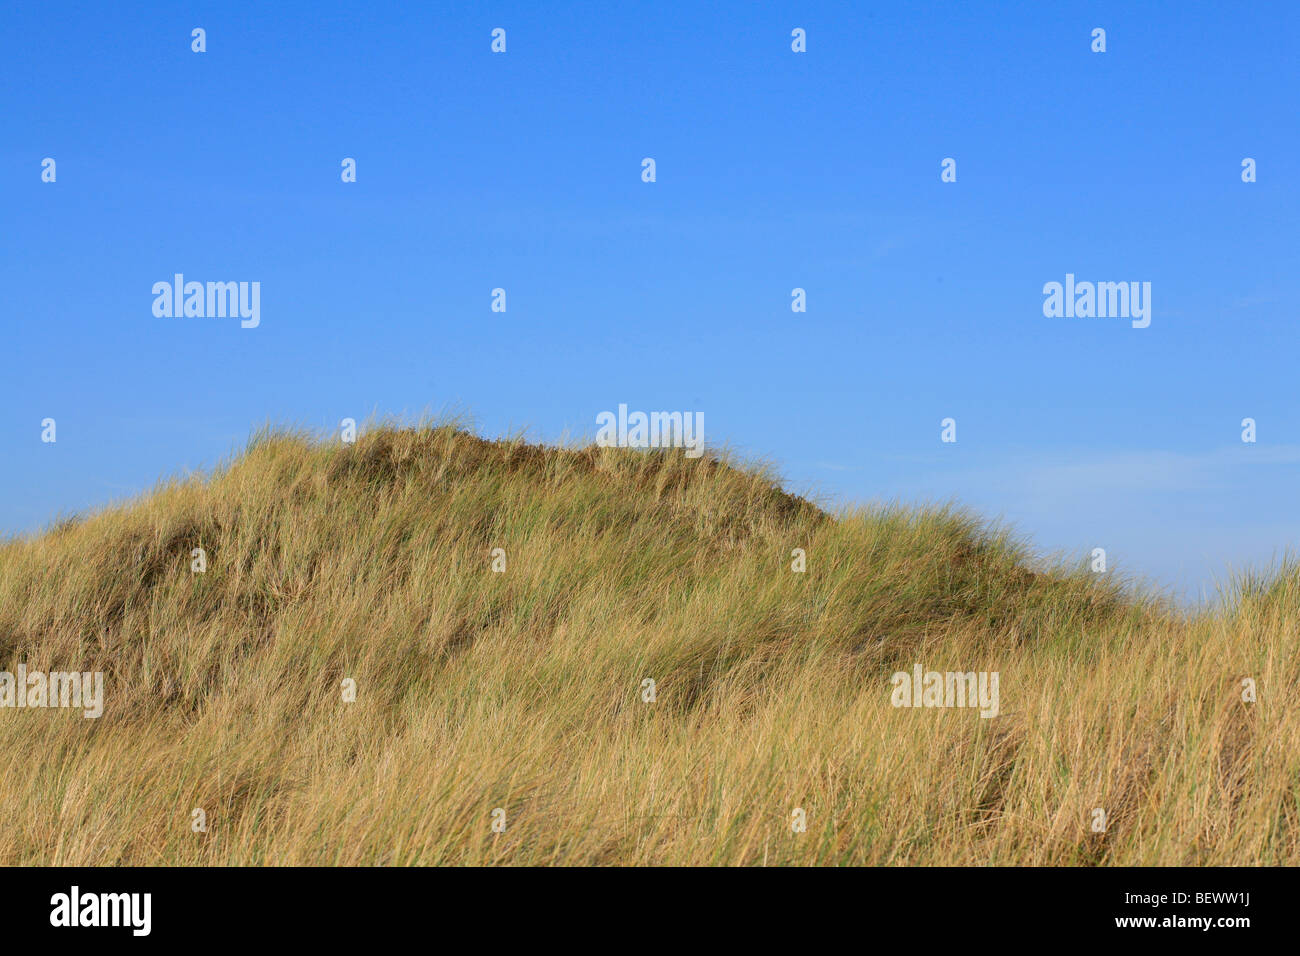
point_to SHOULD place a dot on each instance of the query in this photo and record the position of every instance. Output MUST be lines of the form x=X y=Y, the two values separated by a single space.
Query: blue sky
x=775 y=170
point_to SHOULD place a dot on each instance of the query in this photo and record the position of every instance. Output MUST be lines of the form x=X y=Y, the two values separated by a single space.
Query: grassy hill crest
x=523 y=689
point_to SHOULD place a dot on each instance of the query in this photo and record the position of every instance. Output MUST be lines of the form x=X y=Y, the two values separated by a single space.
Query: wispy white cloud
x=1139 y=472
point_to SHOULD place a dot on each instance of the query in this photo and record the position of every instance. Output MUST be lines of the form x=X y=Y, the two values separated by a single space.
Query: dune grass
x=523 y=689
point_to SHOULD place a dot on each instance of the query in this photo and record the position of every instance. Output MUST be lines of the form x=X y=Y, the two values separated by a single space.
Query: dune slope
x=501 y=715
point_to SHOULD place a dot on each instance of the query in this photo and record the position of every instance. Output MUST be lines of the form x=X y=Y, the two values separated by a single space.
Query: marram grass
x=521 y=691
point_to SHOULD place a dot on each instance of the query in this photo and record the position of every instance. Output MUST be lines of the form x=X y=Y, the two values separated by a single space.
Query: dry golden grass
x=522 y=690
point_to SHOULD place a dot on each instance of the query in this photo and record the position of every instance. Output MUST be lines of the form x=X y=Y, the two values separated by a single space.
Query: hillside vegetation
x=523 y=689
